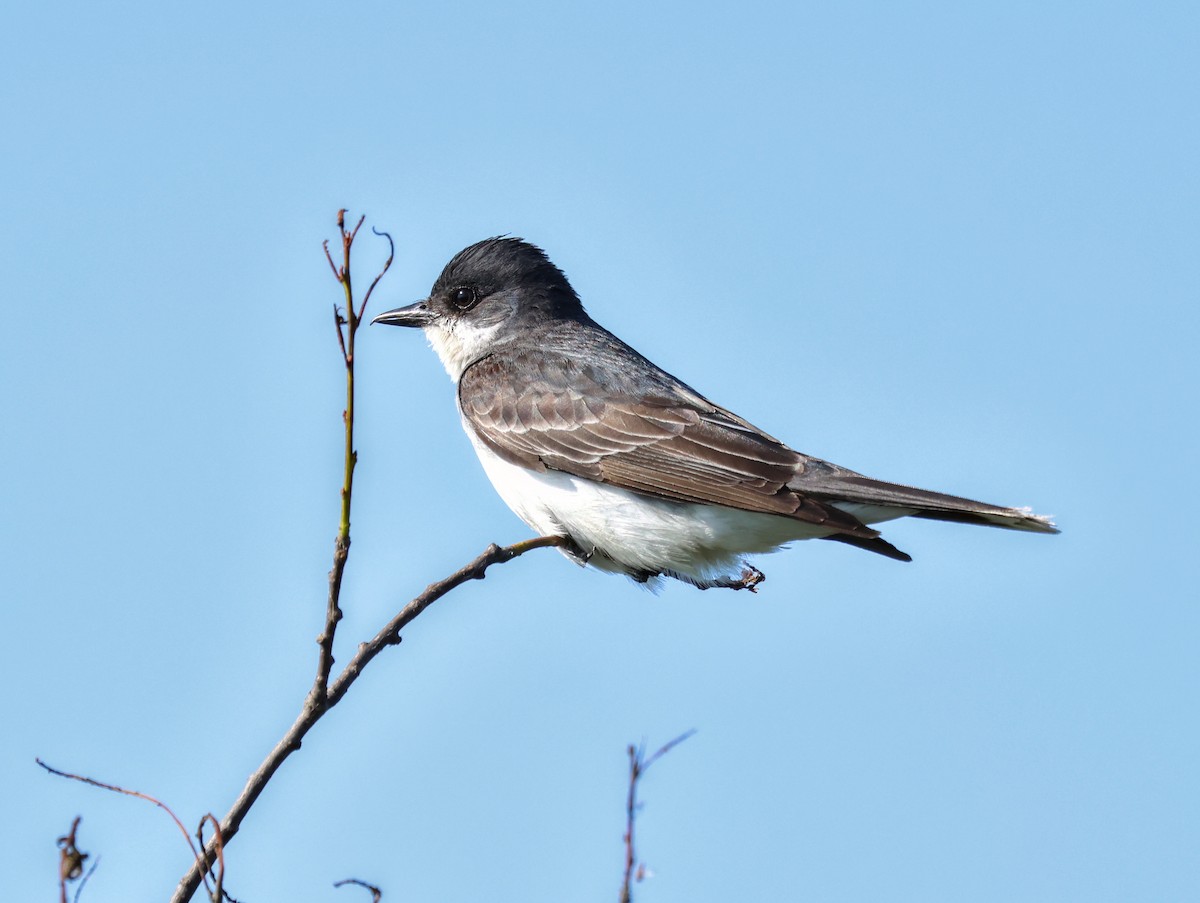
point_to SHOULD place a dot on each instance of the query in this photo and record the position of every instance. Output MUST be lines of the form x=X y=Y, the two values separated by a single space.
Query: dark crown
x=500 y=263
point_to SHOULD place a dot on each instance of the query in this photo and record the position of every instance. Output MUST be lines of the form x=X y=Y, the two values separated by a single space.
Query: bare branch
x=142 y=796
x=349 y=239
x=639 y=763
x=329 y=257
x=338 y=322
x=219 y=891
x=376 y=893
x=666 y=748
x=386 y=266
x=390 y=634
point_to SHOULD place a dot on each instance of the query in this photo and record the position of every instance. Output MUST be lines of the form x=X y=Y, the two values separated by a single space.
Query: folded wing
x=548 y=412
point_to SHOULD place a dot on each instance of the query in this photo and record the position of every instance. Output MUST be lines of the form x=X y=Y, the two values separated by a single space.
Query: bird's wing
x=545 y=411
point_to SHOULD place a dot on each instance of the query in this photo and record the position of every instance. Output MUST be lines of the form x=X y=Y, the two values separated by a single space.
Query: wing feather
x=545 y=411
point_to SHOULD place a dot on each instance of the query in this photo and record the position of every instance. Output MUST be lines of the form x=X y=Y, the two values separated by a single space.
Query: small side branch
x=219 y=892
x=85 y=880
x=362 y=310
x=376 y=893
x=639 y=763
x=390 y=634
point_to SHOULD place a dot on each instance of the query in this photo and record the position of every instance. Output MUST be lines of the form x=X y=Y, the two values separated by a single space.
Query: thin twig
x=357 y=226
x=142 y=796
x=376 y=893
x=639 y=764
x=362 y=310
x=83 y=883
x=666 y=748
x=219 y=890
x=338 y=322
x=390 y=634
x=329 y=257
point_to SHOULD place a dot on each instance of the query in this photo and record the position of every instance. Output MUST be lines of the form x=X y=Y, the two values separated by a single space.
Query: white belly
x=626 y=532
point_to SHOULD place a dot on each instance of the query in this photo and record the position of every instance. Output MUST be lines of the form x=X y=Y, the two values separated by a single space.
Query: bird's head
x=491 y=292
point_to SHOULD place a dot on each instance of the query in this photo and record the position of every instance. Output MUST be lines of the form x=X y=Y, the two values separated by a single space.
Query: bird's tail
x=830 y=483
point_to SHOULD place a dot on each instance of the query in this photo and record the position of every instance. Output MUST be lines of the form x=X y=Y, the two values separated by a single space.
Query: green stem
x=348 y=416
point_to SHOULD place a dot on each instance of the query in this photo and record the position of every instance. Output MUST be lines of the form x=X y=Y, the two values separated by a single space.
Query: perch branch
x=315 y=707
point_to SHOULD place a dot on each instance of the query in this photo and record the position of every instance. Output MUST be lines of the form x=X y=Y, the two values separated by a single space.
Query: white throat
x=459 y=344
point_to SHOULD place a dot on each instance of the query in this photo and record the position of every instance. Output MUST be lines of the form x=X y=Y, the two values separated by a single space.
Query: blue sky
x=946 y=244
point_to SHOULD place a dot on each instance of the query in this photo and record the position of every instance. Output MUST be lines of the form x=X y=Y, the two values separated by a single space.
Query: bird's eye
x=464 y=297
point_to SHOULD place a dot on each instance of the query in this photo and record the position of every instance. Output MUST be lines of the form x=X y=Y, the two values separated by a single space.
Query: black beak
x=417 y=314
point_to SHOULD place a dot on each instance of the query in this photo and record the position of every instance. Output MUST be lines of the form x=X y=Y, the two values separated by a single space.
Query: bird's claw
x=751 y=578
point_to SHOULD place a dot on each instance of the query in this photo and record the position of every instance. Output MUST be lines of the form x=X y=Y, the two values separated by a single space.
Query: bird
x=632 y=469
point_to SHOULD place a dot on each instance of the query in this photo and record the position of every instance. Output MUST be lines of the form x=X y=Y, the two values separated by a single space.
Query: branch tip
x=376 y=893
x=386 y=266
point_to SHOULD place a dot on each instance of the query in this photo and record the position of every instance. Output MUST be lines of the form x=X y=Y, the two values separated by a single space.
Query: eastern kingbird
x=584 y=438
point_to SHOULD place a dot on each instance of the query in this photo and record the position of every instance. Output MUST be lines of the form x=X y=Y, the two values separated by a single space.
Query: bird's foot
x=573 y=550
x=749 y=579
